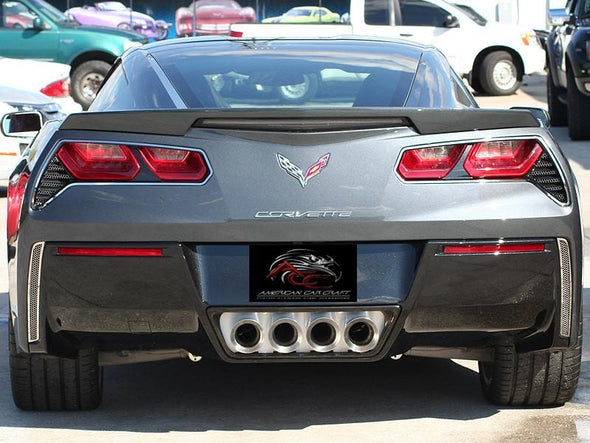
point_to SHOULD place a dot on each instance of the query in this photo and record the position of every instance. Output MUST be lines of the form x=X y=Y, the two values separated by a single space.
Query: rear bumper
x=439 y=299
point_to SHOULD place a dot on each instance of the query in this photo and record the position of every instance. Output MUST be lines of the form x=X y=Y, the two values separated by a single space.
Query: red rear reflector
x=504 y=248
x=236 y=34
x=176 y=164
x=506 y=158
x=60 y=88
x=14 y=197
x=99 y=161
x=112 y=252
x=429 y=163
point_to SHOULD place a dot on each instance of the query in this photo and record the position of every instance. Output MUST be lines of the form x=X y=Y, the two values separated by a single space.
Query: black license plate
x=296 y=273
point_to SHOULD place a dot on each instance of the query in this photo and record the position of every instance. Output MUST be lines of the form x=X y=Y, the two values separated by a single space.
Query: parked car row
x=53 y=36
x=117 y=15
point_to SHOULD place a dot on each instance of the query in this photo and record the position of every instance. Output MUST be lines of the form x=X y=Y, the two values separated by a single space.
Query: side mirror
x=557 y=17
x=21 y=124
x=38 y=24
x=540 y=114
x=451 y=22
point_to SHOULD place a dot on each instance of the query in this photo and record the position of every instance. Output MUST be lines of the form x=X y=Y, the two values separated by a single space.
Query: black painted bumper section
x=455 y=300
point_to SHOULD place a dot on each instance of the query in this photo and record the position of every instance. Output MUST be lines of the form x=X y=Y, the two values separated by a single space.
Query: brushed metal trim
x=565 y=268
x=34 y=284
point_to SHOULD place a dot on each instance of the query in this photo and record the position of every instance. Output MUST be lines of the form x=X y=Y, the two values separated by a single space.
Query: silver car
x=194 y=212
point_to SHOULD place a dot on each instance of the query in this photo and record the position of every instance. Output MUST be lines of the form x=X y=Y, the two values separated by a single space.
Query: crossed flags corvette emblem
x=296 y=172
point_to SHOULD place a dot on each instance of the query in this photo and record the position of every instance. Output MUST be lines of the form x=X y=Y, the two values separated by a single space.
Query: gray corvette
x=200 y=211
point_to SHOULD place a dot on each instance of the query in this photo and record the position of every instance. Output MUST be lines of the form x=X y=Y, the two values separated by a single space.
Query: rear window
x=335 y=74
x=247 y=74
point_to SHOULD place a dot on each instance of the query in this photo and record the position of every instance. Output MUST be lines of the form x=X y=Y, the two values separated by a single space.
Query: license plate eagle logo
x=296 y=172
x=305 y=268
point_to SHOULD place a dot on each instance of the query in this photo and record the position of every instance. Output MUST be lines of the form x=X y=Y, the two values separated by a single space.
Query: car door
x=18 y=36
x=427 y=23
x=562 y=37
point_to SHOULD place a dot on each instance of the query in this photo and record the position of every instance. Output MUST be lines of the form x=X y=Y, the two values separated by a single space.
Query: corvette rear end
x=286 y=234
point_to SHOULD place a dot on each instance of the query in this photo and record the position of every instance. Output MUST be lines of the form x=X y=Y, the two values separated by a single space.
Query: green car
x=36 y=30
x=305 y=14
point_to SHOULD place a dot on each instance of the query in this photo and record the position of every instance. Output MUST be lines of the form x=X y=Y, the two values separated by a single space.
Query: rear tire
x=498 y=74
x=578 y=111
x=476 y=84
x=46 y=382
x=547 y=378
x=557 y=109
x=86 y=79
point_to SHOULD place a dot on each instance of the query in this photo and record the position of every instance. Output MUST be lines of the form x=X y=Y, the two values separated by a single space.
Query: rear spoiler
x=179 y=122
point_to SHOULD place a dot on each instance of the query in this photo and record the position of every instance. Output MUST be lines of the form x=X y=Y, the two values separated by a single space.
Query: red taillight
x=99 y=161
x=502 y=159
x=60 y=88
x=112 y=252
x=236 y=34
x=176 y=164
x=429 y=163
x=501 y=248
x=15 y=195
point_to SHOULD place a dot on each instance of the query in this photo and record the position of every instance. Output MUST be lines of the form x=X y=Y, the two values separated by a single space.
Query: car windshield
x=472 y=14
x=13 y=8
x=296 y=12
x=52 y=12
x=585 y=8
x=215 y=4
x=111 y=6
x=308 y=74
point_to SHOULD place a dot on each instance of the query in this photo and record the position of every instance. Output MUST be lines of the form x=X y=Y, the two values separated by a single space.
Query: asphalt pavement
x=412 y=399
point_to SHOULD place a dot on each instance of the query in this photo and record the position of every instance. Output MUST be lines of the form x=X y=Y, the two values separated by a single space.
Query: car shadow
x=209 y=395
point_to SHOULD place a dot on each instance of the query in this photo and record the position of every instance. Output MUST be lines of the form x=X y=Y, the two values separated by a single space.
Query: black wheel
x=45 y=382
x=557 y=109
x=578 y=110
x=300 y=92
x=536 y=378
x=86 y=80
x=162 y=33
x=17 y=26
x=476 y=84
x=498 y=74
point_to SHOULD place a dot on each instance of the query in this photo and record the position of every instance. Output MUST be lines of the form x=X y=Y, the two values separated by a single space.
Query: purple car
x=117 y=15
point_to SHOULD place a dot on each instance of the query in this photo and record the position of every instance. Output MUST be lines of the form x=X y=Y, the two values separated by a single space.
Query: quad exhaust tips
x=246 y=335
x=303 y=332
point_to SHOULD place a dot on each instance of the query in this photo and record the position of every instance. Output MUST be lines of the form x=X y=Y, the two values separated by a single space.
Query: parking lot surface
x=412 y=399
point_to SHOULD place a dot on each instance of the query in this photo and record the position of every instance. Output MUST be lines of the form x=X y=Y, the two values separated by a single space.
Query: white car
x=14 y=100
x=493 y=56
x=9 y=149
x=49 y=78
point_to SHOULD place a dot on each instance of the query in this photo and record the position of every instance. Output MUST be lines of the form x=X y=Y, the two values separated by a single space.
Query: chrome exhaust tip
x=323 y=334
x=247 y=336
x=360 y=334
x=285 y=335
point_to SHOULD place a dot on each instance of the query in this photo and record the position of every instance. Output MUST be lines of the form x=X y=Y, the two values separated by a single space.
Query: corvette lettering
x=303 y=214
